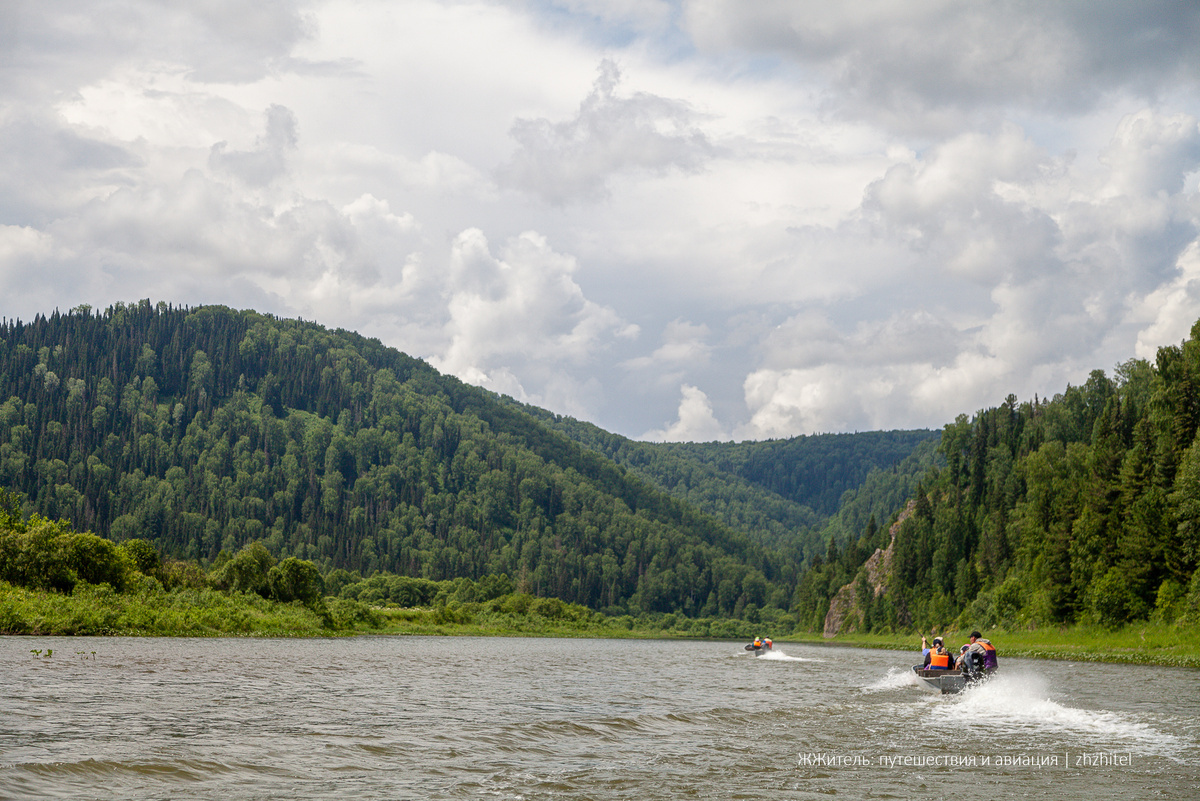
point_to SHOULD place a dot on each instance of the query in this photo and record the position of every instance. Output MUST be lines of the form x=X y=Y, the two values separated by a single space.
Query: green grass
x=152 y=611
x=511 y=616
x=1138 y=643
x=98 y=610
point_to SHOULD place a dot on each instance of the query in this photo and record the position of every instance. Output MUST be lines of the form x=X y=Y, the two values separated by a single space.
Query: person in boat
x=937 y=657
x=924 y=650
x=977 y=656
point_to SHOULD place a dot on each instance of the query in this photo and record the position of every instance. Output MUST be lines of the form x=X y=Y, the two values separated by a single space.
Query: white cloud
x=683 y=345
x=564 y=161
x=1024 y=273
x=696 y=421
x=931 y=64
x=522 y=310
x=837 y=218
x=1171 y=310
x=1152 y=153
x=268 y=160
x=639 y=14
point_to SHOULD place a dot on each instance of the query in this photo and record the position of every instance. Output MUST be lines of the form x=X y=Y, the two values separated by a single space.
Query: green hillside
x=205 y=429
x=1084 y=508
x=777 y=491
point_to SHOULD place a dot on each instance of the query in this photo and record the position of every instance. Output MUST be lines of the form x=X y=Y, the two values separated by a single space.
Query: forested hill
x=782 y=492
x=1081 y=508
x=812 y=470
x=205 y=429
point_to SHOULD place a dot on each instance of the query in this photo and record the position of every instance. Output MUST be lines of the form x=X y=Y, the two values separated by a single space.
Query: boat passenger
x=938 y=657
x=979 y=654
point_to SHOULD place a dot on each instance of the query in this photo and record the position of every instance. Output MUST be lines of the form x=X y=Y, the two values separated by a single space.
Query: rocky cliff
x=844 y=614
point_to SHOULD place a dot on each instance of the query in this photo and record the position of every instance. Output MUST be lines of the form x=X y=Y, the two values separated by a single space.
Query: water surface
x=461 y=717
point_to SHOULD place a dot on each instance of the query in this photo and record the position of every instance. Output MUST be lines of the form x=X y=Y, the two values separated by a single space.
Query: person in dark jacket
x=978 y=655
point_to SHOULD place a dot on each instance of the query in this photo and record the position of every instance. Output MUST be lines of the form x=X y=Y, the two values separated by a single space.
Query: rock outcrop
x=844 y=613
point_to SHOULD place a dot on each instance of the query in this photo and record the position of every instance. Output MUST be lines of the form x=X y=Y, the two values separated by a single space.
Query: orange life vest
x=939 y=661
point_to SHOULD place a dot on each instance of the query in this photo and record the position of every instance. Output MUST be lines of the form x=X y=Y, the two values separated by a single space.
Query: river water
x=461 y=717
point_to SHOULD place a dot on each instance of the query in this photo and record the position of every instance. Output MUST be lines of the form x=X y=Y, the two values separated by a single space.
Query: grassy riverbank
x=1137 y=643
x=150 y=610
x=98 y=610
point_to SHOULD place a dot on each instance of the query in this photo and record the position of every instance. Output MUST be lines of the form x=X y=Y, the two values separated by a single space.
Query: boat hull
x=948 y=682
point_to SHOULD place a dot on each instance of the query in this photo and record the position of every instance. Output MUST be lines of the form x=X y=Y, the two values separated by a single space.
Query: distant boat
x=760 y=647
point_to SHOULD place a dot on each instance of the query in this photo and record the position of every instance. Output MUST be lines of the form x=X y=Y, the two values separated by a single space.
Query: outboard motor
x=973 y=666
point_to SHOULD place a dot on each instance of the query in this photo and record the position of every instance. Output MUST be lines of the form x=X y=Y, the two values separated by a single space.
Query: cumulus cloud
x=696 y=421
x=46 y=167
x=683 y=346
x=1170 y=311
x=830 y=219
x=948 y=206
x=919 y=63
x=48 y=45
x=521 y=311
x=564 y=161
x=1152 y=153
x=1024 y=272
x=268 y=160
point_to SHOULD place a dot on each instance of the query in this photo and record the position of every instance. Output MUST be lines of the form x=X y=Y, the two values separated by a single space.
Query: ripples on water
x=415 y=717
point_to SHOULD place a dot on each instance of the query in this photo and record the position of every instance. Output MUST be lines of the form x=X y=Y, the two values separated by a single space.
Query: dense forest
x=207 y=430
x=204 y=430
x=1084 y=508
x=791 y=494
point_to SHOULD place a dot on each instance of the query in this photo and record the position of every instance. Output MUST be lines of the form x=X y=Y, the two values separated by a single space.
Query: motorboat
x=950 y=681
x=760 y=647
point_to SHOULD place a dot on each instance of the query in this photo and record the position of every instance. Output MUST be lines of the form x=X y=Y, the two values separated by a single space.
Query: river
x=523 y=718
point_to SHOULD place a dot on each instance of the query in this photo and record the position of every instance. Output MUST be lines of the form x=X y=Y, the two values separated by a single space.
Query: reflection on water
x=418 y=717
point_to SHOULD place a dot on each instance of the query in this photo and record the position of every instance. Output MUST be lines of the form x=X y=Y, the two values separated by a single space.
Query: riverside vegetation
x=274 y=464
x=204 y=430
x=56 y=581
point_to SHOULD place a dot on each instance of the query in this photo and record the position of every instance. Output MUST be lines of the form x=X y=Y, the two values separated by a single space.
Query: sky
x=676 y=219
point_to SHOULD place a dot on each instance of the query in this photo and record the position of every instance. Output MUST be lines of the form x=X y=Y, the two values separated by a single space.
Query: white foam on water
x=896 y=678
x=1022 y=702
x=775 y=655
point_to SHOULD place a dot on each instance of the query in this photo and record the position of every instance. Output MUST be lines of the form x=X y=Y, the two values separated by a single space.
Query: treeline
x=816 y=471
x=1084 y=508
x=786 y=494
x=42 y=554
x=55 y=580
x=203 y=430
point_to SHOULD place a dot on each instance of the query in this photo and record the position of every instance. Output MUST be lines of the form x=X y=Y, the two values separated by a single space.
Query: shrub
x=549 y=608
x=1112 y=602
x=143 y=555
x=345 y=613
x=1168 y=601
x=1008 y=600
x=451 y=613
x=296 y=580
x=246 y=571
